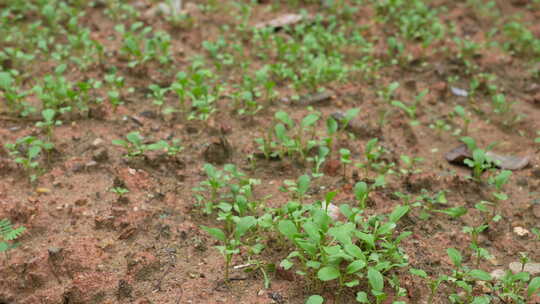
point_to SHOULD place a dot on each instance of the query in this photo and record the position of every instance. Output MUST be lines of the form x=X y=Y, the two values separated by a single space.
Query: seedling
x=8 y=234
x=410 y=164
x=120 y=191
x=362 y=190
x=232 y=242
x=480 y=162
x=460 y=111
x=135 y=146
x=48 y=122
x=299 y=188
x=318 y=161
x=345 y=160
x=158 y=95
x=26 y=151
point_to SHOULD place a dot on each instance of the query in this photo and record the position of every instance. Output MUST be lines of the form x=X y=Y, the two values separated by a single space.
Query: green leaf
x=355 y=266
x=33 y=151
x=303 y=184
x=479 y=275
x=310 y=120
x=313 y=231
x=284 y=117
x=315 y=299
x=134 y=138
x=398 y=213
x=286 y=264
x=4 y=246
x=455 y=256
x=331 y=125
x=351 y=113
x=481 y=300
x=375 y=278
x=216 y=233
x=534 y=286
x=48 y=114
x=360 y=190
x=454 y=212
x=470 y=142
x=328 y=273
x=352 y=283
x=313 y=264
x=244 y=225
x=419 y=273
x=160 y=145
x=362 y=297
x=6 y=81
x=287 y=228
x=355 y=251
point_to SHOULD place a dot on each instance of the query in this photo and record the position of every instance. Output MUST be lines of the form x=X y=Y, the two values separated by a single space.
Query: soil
x=84 y=244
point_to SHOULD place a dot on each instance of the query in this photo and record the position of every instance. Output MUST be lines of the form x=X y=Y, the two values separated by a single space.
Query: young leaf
x=309 y=120
x=328 y=273
x=479 y=275
x=361 y=297
x=454 y=212
x=455 y=256
x=398 y=213
x=355 y=266
x=244 y=225
x=315 y=299
x=534 y=287
x=216 y=233
x=375 y=278
x=287 y=228
x=419 y=273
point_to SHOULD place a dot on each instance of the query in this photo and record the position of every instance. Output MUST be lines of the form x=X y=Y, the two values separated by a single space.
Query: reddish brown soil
x=84 y=245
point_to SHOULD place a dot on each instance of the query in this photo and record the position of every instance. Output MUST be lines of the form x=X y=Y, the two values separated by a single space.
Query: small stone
x=536 y=210
x=91 y=164
x=97 y=142
x=333 y=211
x=459 y=92
x=497 y=274
x=521 y=232
x=531 y=268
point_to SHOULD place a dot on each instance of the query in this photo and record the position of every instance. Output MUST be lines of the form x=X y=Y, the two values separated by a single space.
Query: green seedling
x=318 y=161
x=231 y=242
x=433 y=284
x=460 y=111
x=158 y=95
x=294 y=139
x=13 y=95
x=139 y=48
x=463 y=278
x=8 y=234
x=48 y=122
x=410 y=110
x=537 y=140
x=440 y=125
x=120 y=191
x=387 y=93
x=344 y=252
x=299 y=188
x=410 y=164
x=480 y=162
x=26 y=151
x=372 y=154
x=345 y=160
x=135 y=146
x=362 y=190
x=478 y=252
